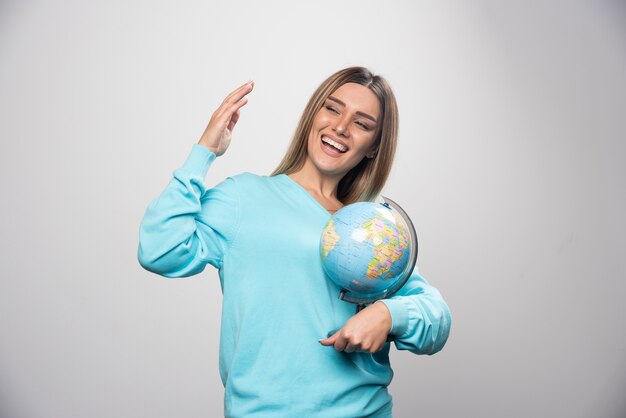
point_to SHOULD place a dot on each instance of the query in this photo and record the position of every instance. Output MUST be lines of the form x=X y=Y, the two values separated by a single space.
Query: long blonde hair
x=364 y=181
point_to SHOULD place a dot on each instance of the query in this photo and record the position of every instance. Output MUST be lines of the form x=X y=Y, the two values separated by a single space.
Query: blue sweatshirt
x=262 y=233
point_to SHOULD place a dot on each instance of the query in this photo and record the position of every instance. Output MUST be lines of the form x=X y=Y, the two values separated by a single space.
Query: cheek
x=366 y=142
x=312 y=140
x=321 y=119
x=317 y=125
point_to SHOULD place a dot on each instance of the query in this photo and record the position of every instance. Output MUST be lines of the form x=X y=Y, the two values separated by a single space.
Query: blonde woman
x=262 y=233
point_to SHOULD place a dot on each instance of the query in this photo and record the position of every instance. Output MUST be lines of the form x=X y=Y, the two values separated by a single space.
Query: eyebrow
x=365 y=115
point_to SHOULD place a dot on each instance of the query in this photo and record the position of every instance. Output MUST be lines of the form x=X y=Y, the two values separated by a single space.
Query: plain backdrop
x=510 y=162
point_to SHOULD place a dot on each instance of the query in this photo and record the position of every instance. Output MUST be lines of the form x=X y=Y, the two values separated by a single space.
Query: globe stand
x=360 y=303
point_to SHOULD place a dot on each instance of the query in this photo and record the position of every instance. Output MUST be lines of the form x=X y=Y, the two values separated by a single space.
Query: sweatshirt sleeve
x=420 y=317
x=187 y=226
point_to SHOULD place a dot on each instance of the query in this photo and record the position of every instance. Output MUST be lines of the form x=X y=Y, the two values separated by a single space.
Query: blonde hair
x=364 y=181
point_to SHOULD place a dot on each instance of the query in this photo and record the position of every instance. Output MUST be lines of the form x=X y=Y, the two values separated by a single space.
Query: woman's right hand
x=218 y=133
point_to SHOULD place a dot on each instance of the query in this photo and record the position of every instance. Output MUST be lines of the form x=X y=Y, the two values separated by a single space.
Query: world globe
x=368 y=250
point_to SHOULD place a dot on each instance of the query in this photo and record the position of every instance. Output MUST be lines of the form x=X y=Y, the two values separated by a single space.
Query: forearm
x=421 y=318
x=186 y=227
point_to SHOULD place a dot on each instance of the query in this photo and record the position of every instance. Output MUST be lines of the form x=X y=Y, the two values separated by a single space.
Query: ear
x=372 y=153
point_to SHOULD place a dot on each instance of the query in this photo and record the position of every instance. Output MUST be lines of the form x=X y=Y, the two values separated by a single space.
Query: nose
x=341 y=126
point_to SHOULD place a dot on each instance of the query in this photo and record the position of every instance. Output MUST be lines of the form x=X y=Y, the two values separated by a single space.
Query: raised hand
x=365 y=331
x=218 y=132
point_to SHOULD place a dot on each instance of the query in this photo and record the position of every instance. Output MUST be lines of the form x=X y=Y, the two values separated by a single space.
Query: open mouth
x=334 y=145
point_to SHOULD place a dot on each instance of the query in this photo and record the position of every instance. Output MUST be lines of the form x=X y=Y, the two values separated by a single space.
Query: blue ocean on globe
x=365 y=248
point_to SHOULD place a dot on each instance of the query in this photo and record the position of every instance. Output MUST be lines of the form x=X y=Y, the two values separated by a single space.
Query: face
x=343 y=130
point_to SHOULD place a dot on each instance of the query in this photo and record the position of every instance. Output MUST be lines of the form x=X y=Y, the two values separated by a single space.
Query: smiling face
x=344 y=130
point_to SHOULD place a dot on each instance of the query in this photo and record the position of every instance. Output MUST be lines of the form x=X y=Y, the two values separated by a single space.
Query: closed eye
x=332 y=109
x=363 y=125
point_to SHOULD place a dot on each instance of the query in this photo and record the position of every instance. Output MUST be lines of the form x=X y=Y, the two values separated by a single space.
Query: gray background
x=511 y=163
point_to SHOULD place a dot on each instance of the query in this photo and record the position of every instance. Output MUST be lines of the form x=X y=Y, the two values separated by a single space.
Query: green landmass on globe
x=390 y=246
x=329 y=239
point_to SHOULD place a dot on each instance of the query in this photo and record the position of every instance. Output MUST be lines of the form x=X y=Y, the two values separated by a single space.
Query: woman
x=277 y=356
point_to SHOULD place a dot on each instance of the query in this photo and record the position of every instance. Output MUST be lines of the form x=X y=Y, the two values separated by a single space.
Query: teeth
x=337 y=145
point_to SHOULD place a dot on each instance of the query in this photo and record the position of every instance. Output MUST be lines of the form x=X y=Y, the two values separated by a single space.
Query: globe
x=368 y=250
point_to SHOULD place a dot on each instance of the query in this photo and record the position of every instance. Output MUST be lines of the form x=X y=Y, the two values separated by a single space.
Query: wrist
x=385 y=314
x=214 y=151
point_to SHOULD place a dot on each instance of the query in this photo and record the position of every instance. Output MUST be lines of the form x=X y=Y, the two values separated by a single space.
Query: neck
x=320 y=184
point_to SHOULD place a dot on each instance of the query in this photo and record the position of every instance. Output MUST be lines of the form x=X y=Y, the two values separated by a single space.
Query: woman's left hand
x=365 y=331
